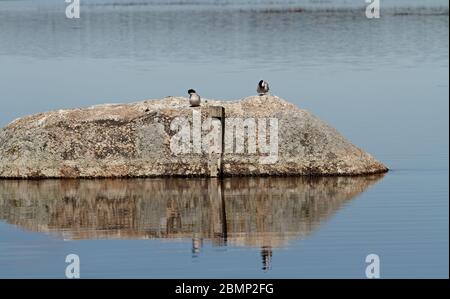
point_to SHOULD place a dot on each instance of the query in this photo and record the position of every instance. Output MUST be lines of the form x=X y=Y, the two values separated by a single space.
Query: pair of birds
x=194 y=98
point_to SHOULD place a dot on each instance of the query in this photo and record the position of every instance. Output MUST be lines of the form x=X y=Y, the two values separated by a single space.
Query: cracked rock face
x=134 y=140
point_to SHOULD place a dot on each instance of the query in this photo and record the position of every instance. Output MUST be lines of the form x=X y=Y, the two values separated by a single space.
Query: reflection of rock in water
x=263 y=212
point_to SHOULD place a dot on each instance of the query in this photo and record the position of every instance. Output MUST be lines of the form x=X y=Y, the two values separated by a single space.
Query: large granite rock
x=137 y=140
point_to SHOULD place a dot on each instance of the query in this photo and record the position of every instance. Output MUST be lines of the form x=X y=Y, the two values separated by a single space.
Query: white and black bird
x=262 y=88
x=194 y=98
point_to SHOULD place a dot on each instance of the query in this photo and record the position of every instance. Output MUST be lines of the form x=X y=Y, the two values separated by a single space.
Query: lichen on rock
x=133 y=140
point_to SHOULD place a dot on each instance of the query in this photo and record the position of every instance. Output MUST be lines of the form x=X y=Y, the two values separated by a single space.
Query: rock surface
x=134 y=140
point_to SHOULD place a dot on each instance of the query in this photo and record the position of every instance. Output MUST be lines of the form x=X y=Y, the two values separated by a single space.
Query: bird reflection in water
x=266 y=255
x=197 y=244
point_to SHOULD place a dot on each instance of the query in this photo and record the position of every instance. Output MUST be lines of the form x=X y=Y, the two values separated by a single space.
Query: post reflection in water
x=257 y=212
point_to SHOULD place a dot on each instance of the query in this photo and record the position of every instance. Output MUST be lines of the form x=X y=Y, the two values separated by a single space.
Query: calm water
x=382 y=83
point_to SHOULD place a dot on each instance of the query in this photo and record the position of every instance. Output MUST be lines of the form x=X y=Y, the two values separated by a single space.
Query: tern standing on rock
x=194 y=98
x=263 y=88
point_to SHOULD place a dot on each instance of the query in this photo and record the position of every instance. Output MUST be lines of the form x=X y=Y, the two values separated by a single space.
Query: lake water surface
x=382 y=83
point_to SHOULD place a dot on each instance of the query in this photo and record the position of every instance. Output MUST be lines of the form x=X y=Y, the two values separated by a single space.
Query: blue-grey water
x=383 y=83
